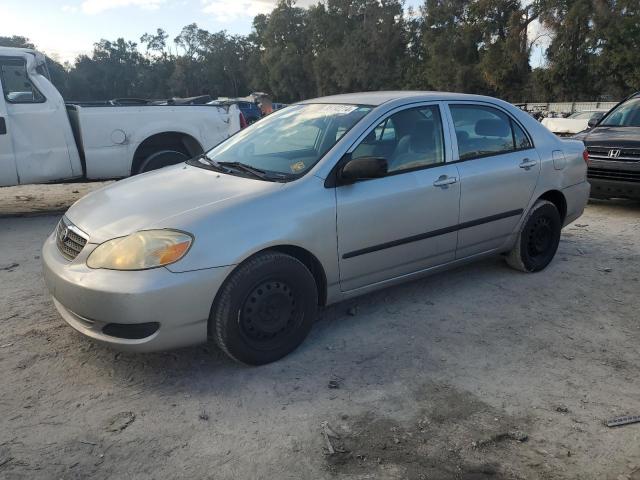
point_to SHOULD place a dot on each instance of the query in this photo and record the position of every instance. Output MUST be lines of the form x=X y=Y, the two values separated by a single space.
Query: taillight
x=243 y=122
x=585 y=156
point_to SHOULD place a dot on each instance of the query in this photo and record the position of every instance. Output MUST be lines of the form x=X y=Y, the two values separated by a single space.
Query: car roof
x=378 y=98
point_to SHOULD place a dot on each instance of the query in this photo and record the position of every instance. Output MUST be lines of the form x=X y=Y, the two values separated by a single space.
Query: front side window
x=625 y=115
x=482 y=131
x=409 y=139
x=291 y=141
x=16 y=84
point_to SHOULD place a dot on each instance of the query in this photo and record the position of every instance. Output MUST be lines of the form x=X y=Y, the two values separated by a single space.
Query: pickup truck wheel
x=538 y=239
x=265 y=309
x=162 y=158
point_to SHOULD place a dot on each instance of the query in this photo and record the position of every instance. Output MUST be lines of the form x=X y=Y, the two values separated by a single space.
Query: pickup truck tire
x=538 y=239
x=265 y=309
x=162 y=158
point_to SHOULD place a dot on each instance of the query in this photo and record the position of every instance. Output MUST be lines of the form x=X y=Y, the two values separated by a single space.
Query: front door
x=37 y=125
x=401 y=223
x=499 y=169
x=8 y=173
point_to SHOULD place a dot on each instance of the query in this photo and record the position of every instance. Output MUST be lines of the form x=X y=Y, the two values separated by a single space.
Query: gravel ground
x=481 y=372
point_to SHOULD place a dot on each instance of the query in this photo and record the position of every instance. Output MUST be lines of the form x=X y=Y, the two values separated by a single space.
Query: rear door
x=499 y=169
x=401 y=223
x=8 y=173
x=38 y=125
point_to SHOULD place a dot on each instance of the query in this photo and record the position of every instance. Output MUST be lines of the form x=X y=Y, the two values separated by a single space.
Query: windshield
x=290 y=141
x=625 y=115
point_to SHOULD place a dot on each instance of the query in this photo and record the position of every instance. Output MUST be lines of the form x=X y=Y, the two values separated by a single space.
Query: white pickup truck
x=42 y=139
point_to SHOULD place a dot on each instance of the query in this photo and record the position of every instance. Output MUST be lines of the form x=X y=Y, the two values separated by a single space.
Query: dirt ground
x=38 y=199
x=479 y=373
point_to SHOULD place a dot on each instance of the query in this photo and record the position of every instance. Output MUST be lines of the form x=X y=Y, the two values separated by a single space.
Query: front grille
x=620 y=175
x=70 y=239
x=623 y=154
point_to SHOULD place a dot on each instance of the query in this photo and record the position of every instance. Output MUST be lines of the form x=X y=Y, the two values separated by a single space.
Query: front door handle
x=527 y=164
x=444 y=181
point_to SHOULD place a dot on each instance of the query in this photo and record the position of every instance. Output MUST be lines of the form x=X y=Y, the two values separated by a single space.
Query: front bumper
x=89 y=299
x=601 y=188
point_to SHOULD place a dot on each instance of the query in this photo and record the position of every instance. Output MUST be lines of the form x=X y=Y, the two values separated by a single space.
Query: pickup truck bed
x=111 y=138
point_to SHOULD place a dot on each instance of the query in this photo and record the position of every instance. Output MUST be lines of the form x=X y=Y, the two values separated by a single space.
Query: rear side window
x=483 y=131
x=16 y=84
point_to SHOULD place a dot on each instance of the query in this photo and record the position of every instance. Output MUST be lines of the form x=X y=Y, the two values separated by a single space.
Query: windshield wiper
x=205 y=160
x=256 y=172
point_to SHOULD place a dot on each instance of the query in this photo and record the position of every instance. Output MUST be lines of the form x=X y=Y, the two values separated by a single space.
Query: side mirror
x=362 y=168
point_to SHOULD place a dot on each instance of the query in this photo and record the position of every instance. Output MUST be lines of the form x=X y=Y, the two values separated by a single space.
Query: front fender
x=301 y=214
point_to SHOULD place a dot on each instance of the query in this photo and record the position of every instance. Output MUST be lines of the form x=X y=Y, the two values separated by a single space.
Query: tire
x=162 y=158
x=265 y=309
x=538 y=239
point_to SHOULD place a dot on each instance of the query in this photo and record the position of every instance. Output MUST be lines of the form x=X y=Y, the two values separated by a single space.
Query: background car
x=574 y=123
x=251 y=111
x=613 y=144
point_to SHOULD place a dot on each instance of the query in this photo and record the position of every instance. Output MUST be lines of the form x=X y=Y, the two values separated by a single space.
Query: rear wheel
x=265 y=309
x=162 y=158
x=538 y=240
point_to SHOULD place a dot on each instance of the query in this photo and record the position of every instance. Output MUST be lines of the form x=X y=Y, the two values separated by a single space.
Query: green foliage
x=475 y=46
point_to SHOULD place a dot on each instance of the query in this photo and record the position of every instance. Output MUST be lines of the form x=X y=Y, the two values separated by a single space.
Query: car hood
x=155 y=199
x=621 y=137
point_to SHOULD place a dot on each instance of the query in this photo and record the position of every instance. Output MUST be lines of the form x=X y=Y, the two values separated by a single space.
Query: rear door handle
x=527 y=164
x=444 y=181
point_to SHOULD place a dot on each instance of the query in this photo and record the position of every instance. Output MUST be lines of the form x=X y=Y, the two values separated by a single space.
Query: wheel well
x=167 y=140
x=557 y=198
x=312 y=263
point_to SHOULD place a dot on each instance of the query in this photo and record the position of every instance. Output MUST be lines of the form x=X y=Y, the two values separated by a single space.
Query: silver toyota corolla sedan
x=319 y=202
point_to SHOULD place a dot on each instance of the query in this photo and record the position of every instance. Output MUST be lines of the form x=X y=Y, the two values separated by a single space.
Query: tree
x=286 y=54
x=155 y=42
x=505 y=48
x=16 y=41
x=335 y=46
x=616 y=32
x=450 y=42
x=358 y=45
x=115 y=69
x=571 y=54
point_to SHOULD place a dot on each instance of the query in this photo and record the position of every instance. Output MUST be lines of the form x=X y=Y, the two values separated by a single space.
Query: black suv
x=613 y=144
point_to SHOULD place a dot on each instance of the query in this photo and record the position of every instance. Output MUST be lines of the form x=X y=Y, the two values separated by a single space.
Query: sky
x=66 y=28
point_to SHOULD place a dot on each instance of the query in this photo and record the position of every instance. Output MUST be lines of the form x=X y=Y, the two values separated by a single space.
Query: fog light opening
x=131 y=331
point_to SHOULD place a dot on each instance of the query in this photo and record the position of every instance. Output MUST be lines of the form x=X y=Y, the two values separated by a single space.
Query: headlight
x=141 y=250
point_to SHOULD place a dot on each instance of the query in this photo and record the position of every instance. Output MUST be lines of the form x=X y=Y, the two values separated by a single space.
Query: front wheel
x=538 y=239
x=265 y=309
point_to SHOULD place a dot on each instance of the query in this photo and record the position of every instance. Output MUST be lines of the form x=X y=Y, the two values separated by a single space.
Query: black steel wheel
x=538 y=240
x=269 y=314
x=265 y=309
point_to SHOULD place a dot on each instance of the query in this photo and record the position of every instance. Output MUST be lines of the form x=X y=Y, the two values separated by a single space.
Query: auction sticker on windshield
x=297 y=167
x=338 y=109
